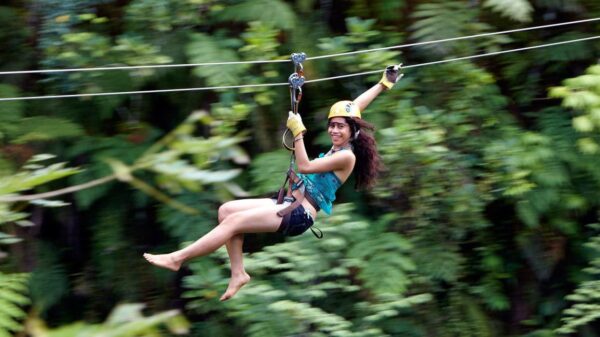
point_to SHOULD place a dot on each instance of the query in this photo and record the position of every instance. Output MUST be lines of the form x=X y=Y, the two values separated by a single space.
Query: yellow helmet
x=344 y=109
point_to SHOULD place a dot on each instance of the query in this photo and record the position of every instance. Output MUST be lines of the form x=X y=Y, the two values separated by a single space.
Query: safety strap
x=298 y=194
x=320 y=235
x=296 y=80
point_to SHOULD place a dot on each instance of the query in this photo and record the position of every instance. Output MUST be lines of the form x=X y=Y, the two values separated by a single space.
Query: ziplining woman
x=353 y=146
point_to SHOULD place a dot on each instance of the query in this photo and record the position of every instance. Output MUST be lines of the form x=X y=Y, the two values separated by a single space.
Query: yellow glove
x=294 y=123
x=391 y=75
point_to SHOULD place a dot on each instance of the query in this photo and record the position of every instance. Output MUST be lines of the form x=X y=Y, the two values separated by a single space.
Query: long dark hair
x=368 y=161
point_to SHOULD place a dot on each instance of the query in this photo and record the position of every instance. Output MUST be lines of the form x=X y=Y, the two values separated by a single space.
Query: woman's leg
x=234 y=245
x=239 y=277
x=256 y=220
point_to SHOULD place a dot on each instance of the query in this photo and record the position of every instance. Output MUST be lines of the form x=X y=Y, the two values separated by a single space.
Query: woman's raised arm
x=391 y=75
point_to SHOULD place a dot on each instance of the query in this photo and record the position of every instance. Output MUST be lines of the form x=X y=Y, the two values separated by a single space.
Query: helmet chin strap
x=356 y=135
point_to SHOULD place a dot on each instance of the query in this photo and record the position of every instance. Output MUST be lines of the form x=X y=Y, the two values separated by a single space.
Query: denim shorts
x=296 y=223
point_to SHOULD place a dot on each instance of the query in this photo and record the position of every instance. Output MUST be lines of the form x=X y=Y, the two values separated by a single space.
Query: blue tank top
x=322 y=187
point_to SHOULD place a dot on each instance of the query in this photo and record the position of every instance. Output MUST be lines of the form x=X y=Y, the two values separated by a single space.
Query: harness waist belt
x=312 y=201
x=299 y=194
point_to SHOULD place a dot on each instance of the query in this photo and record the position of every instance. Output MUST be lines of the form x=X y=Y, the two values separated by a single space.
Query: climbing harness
x=298 y=193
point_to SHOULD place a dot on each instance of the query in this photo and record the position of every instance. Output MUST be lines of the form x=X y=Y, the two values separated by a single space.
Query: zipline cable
x=15 y=198
x=459 y=58
x=152 y=66
x=453 y=39
x=144 y=91
x=286 y=59
x=286 y=84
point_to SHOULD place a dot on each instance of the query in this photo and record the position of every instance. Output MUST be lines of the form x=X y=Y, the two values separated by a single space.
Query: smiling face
x=339 y=131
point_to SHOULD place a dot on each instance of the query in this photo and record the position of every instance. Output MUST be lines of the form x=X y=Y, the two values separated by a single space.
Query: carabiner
x=298 y=58
x=296 y=81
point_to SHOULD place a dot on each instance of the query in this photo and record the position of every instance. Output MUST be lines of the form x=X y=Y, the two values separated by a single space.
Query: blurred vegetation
x=485 y=222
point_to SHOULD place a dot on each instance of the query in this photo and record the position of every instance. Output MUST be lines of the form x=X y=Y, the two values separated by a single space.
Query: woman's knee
x=233 y=222
x=225 y=210
x=236 y=206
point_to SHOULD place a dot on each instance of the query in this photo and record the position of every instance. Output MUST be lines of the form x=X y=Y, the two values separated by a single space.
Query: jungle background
x=484 y=223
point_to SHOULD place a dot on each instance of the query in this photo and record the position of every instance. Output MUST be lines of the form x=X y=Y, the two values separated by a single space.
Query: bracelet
x=297 y=139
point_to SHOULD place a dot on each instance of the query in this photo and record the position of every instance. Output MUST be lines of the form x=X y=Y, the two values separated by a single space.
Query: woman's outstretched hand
x=391 y=75
x=294 y=123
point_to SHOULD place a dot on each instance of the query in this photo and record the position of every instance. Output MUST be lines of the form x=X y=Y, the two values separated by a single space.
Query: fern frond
x=49 y=280
x=276 y=12
x=446 y=19
x=565 y=53
x=384 y=263
x=586 y=308
x=13 y=297
x=518 y=10
x=42 y=128
x=205 y=48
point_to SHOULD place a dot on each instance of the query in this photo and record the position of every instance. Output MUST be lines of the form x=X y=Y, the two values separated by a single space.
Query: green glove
x=294 y=123
x=391 y=75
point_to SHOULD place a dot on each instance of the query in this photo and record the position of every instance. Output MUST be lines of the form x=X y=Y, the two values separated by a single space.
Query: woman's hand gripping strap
x=294 y=123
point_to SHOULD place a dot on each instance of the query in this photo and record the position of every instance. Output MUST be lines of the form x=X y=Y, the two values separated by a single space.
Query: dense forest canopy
x=485 y=221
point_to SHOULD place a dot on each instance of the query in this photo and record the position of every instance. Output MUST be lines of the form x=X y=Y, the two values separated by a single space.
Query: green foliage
x=34 y=173
x=582 y=94
x=15 y=52
x=159 y=16
x=49 y=282
x=13 y=299
x=11 y=112
x=361 y=35
x=466 y=318
x=447 y=19
x=518 y=10
x=278 y=13
x=189 y=227
x=382 y=268
x=586 y=298
x=126 y=320
x=80 y=49
x=482 y=203
x=204 y=48
x=268 y=171
x=296 y=279
x=41 y=128
x=31 y=175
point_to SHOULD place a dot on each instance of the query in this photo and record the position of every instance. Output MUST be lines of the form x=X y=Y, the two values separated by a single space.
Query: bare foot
x=163 y=260
x=235 y=284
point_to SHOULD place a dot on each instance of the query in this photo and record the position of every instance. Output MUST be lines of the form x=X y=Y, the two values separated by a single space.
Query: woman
x=351 y=145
